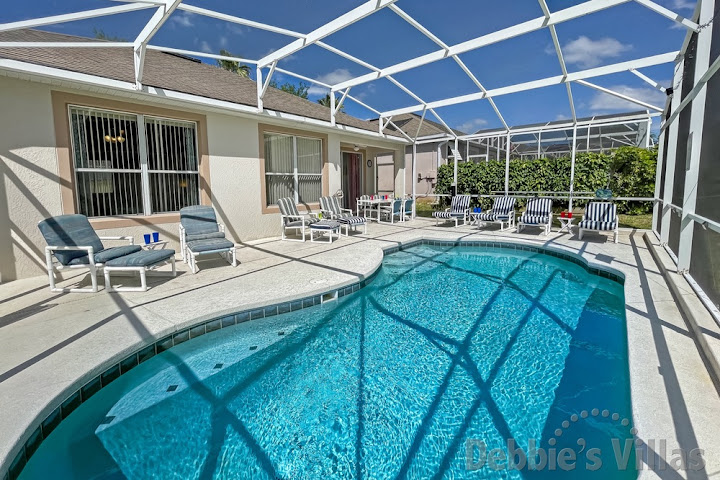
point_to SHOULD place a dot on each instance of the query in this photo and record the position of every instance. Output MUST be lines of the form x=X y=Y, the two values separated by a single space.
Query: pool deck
x=52 y=343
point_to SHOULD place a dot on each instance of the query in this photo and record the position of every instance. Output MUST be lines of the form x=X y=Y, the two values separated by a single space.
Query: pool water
x=449 y=353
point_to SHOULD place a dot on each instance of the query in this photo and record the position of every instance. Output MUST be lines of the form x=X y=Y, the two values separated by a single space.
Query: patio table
x=378 y=202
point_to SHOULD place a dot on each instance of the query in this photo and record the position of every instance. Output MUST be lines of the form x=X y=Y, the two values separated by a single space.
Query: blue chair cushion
x=210 y=245
x=70 y=231
x=204 y=236
x=107 y=254
x=143 y=258
x=198 y=219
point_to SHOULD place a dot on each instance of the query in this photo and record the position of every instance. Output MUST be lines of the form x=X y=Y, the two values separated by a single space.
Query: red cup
x=569 y=215
x=562 y=214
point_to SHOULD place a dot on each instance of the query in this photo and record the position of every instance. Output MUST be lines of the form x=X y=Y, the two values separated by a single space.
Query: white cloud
x=369 y=91
x=205 y=47
x=182 y=19
x=471 y=126
x=331 y=78
x=602 y=102
x=588 y=53
x=223 y=41
x=682 y=4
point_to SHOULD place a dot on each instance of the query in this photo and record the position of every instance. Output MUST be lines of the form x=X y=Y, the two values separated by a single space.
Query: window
x=293 y=168
x=127 y=164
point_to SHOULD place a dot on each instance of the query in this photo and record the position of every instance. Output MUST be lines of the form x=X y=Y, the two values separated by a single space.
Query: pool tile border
x=95 y=384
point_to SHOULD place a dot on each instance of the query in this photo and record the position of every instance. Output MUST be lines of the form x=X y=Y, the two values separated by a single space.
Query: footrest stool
x=138 y=262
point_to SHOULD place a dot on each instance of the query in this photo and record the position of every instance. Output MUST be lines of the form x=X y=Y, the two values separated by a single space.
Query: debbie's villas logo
x=620 y=452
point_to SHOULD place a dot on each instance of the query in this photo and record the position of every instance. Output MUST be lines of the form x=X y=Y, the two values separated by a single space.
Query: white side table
x=566 y=224
x=159 y=245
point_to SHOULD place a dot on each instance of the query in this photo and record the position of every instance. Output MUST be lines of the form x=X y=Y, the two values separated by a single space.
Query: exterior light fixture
x=356 y=148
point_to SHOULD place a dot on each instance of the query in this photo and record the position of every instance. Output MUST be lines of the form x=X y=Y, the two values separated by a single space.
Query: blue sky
x=618 y=34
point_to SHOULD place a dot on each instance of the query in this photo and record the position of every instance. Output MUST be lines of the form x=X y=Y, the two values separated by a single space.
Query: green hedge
x=627 y=171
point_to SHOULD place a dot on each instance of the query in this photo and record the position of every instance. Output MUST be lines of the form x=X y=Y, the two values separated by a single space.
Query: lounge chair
x=502 y=212
x=331 y=210
x=201 y=234
x=538 y=213
x=599 y=217
x=291 y=219
x=74 y=244
x=459 y=209
x=395 y=209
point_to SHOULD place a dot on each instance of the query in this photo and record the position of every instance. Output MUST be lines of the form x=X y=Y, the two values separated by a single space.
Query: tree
x=325 y=102
x=100 y=34
x=232 y=65
x=300 y=90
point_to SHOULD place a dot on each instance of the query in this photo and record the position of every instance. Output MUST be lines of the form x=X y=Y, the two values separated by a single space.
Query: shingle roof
x=166 y=71
x=409 y=122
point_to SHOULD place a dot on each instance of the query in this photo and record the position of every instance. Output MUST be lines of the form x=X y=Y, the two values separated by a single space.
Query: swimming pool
x=448 y=354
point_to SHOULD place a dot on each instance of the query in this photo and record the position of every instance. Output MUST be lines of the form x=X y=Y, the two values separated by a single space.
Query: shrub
x=627 y=171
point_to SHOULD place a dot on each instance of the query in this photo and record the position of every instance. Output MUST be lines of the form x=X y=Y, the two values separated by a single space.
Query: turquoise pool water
x=448 y=354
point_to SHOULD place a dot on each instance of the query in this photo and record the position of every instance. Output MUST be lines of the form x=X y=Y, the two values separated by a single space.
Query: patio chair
x=395 y=209
x=331 y=210
x=74 y=244
x=201 y=234
x=599 y=217
x=502 y=212
x=291 y=219
x=407 y=209
x=459 y=209
x=538 y=213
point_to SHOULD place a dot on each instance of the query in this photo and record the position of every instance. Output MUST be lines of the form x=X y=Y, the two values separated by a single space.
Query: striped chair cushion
x=448 y=214
x=534 y=219
x=597 y=225
x=539 y=207
x=353 y=220
x=503 y=205
x=460 y=203
x=603 y=212
x=486 y=217
x=325 y=204
x=299 y=223
x=287 y=206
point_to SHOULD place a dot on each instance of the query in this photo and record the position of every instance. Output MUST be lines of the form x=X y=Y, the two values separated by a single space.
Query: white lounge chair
x=332 y=210
x=599 y=217
x=292 y=219
x=538 y=213
x=459 y=210
x=201 y=234
x=74 y=244
x=502 y=212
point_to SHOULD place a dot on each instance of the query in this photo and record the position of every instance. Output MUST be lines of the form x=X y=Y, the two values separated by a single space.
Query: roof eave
x=68 y=76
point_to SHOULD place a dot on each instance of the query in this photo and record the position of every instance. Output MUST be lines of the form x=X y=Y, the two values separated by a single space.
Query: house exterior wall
x=428 y=159
x=30 y=180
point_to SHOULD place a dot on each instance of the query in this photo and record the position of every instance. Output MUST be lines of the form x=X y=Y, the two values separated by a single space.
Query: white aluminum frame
x=165 y=8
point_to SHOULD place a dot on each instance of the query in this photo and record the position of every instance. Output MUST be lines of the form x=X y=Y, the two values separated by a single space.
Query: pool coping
x=30 y=441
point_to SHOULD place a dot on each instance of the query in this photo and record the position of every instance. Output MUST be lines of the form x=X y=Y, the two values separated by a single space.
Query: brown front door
x=352 y=164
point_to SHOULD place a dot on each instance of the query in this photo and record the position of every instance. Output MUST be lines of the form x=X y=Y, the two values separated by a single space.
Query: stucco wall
x=30 y=188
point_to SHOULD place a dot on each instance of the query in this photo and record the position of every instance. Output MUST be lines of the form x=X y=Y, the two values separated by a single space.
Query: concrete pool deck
x=52 y=343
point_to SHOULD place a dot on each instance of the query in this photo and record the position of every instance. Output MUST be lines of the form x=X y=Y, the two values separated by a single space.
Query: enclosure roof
x=166 y=71
x=424 y=75
x=630 y=117
x=410 y=122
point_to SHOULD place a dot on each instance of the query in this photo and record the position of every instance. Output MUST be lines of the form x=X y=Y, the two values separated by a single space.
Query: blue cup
x=156 y=237
x=147 y=238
